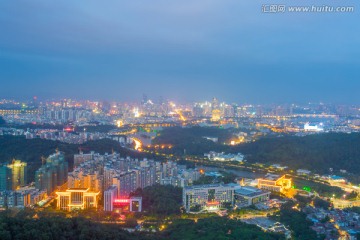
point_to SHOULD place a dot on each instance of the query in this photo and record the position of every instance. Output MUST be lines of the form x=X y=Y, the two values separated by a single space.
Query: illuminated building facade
x=209 y=197
x=76 y=198
x=215 y=115
x=13 y=176
x=275 y=183
x=21 y=198
x=80 y=179
x=18 y=111
x=132 y=204
x=135 y=204
x=19 y=174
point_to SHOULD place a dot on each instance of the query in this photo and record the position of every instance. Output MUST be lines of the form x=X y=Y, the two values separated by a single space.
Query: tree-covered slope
x=314 y=152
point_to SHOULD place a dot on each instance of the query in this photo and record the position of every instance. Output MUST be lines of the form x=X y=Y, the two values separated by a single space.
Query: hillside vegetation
x=315 y=152
x=318 y=152
x=31 y=150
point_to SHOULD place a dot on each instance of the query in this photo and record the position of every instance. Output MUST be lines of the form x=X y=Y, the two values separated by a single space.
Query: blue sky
x=184 y=50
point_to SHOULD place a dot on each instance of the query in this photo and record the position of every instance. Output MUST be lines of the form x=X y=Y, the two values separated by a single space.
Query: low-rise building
x=209 y=197
x=275 y=183
x=112 y=202
x=21 y=198
x=76 y=198
x=279 y=167
x=132 y=204
x=246 y=196
x=214 y=156
x=303 y=172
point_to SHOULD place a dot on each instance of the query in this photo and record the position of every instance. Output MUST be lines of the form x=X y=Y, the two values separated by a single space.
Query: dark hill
x=317 y=152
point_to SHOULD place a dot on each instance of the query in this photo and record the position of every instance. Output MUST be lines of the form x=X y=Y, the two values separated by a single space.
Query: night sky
x=185 y=50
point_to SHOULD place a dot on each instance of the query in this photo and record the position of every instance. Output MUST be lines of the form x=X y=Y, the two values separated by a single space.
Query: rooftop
x=212 y=186
x=249 y=191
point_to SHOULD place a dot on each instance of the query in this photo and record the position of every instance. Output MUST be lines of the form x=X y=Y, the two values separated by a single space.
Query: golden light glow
x=136 y=112
x=119 y=123
x=138 y=144
x=181 y=116
x=216 y=114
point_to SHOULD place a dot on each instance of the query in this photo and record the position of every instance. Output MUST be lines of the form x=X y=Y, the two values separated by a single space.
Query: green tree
x=297 y=222
x=160 y=199
x=320 y=203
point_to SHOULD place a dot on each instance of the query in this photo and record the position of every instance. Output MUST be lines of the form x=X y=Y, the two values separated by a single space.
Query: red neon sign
x=69 y=129
x=122 y=201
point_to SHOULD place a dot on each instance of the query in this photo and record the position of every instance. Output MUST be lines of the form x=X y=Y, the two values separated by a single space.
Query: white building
x=313 y=127
x=110 y=195
x=209 y=197
x=214 y=156
x=303 y=172
x=278 y=166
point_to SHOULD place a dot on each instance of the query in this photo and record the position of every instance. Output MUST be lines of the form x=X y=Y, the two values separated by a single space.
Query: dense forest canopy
x=28 y=224
x=317 y=152
x=160 y=199
x=193 y=139
x=217 y=228
x=296 y=221
x=61 y=228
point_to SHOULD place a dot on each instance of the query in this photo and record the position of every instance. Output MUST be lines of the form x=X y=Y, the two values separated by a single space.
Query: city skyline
x=161 y=119
x=186 y=51
x=159 y=100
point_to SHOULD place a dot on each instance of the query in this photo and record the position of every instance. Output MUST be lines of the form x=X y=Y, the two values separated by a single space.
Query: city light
x=122 y=201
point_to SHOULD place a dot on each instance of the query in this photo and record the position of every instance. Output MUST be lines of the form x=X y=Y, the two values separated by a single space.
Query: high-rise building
x=169 y=169
x=53 y=174
x=110 y=195
x=215 y=110
x=5 y=178
x=198 y=111
x=13 y=176
x=19 y=174
x=215 y=115
x=81 y=157
x=214 y=104
x=126 y=183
